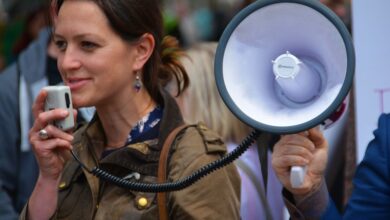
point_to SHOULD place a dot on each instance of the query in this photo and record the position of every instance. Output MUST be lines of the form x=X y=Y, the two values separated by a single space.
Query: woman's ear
x=144 y=49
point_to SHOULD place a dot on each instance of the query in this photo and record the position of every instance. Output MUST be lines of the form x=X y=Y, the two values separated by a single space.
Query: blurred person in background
x=34 y=22
x=201 y=102
x=341 y=8
x=21 y=25
x=201 y=20
x=2 y=62
x=35 y=68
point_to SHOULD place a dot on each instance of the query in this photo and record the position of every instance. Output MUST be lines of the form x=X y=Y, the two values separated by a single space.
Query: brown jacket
x=84 y=196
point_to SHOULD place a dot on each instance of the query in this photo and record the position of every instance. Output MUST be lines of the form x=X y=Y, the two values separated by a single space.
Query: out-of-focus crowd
x=190 y=21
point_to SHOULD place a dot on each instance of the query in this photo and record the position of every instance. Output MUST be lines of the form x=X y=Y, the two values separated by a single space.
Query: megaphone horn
x=284 y=66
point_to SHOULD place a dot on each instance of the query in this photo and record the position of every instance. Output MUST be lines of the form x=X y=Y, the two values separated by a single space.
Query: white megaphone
x=284 y=66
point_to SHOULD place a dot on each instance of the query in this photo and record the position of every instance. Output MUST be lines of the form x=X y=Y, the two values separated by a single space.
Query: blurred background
x=20 y=21
x=189 y=20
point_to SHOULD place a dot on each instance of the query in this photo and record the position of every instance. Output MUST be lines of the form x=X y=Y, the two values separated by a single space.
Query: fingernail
x=64 y=113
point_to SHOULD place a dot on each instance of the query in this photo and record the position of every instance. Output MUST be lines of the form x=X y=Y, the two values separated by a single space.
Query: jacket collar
x=171 y=119
x=140 y=157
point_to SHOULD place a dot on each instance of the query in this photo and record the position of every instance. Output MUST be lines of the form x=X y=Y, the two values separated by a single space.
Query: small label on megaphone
x=286 y=66
x=297 y=80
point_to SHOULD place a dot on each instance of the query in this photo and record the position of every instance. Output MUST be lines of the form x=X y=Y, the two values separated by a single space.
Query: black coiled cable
x=179 y=184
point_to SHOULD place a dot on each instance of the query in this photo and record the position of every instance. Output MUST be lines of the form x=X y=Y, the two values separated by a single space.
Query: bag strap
x=162 y=171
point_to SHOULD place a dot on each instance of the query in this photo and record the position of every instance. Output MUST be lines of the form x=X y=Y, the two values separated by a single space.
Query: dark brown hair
x=131 y=19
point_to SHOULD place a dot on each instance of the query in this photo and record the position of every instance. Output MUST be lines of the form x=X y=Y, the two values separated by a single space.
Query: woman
x=110 y=58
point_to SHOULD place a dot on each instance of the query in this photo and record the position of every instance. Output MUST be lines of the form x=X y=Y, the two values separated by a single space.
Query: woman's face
x=94 y=61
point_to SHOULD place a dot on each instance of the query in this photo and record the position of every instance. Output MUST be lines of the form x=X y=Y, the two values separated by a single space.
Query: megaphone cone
x=284 y=66
x=266 y=30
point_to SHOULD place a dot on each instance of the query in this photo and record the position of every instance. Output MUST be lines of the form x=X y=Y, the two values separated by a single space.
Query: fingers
x=296 y=151
x=317 y=137
x=297 y=140
x=55 y=136
x=55 y=143
x=50 y=148
x=304 y=133
x=286 y=162
x=292 y=150
x=51 y=156
x=55 y=132
x=45 y=118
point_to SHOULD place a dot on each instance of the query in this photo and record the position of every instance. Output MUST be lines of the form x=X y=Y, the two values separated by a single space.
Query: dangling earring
x=137 y=83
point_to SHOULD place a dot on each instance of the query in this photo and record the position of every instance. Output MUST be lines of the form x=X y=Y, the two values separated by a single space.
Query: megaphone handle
x=297 y=176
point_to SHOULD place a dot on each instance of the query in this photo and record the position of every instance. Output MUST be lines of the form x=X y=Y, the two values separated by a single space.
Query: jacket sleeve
x=215 y=196
x=9 y=136
x=371 y=195
x=317 y=205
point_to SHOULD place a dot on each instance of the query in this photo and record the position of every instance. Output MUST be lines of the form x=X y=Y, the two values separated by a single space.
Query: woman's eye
x=88 y=45
x=61 y=45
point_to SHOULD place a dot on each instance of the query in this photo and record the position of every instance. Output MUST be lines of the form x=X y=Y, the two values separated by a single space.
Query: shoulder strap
x=162 y=174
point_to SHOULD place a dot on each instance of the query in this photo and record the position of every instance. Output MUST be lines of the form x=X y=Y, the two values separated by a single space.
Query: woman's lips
x=77 y=83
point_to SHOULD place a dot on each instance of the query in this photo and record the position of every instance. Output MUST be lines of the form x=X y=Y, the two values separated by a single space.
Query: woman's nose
x=69 y=59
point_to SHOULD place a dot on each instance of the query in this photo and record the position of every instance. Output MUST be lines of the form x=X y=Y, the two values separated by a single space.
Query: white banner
x=371 y=36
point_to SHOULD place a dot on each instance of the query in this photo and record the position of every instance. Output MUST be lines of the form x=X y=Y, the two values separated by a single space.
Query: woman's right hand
x=51 y=153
